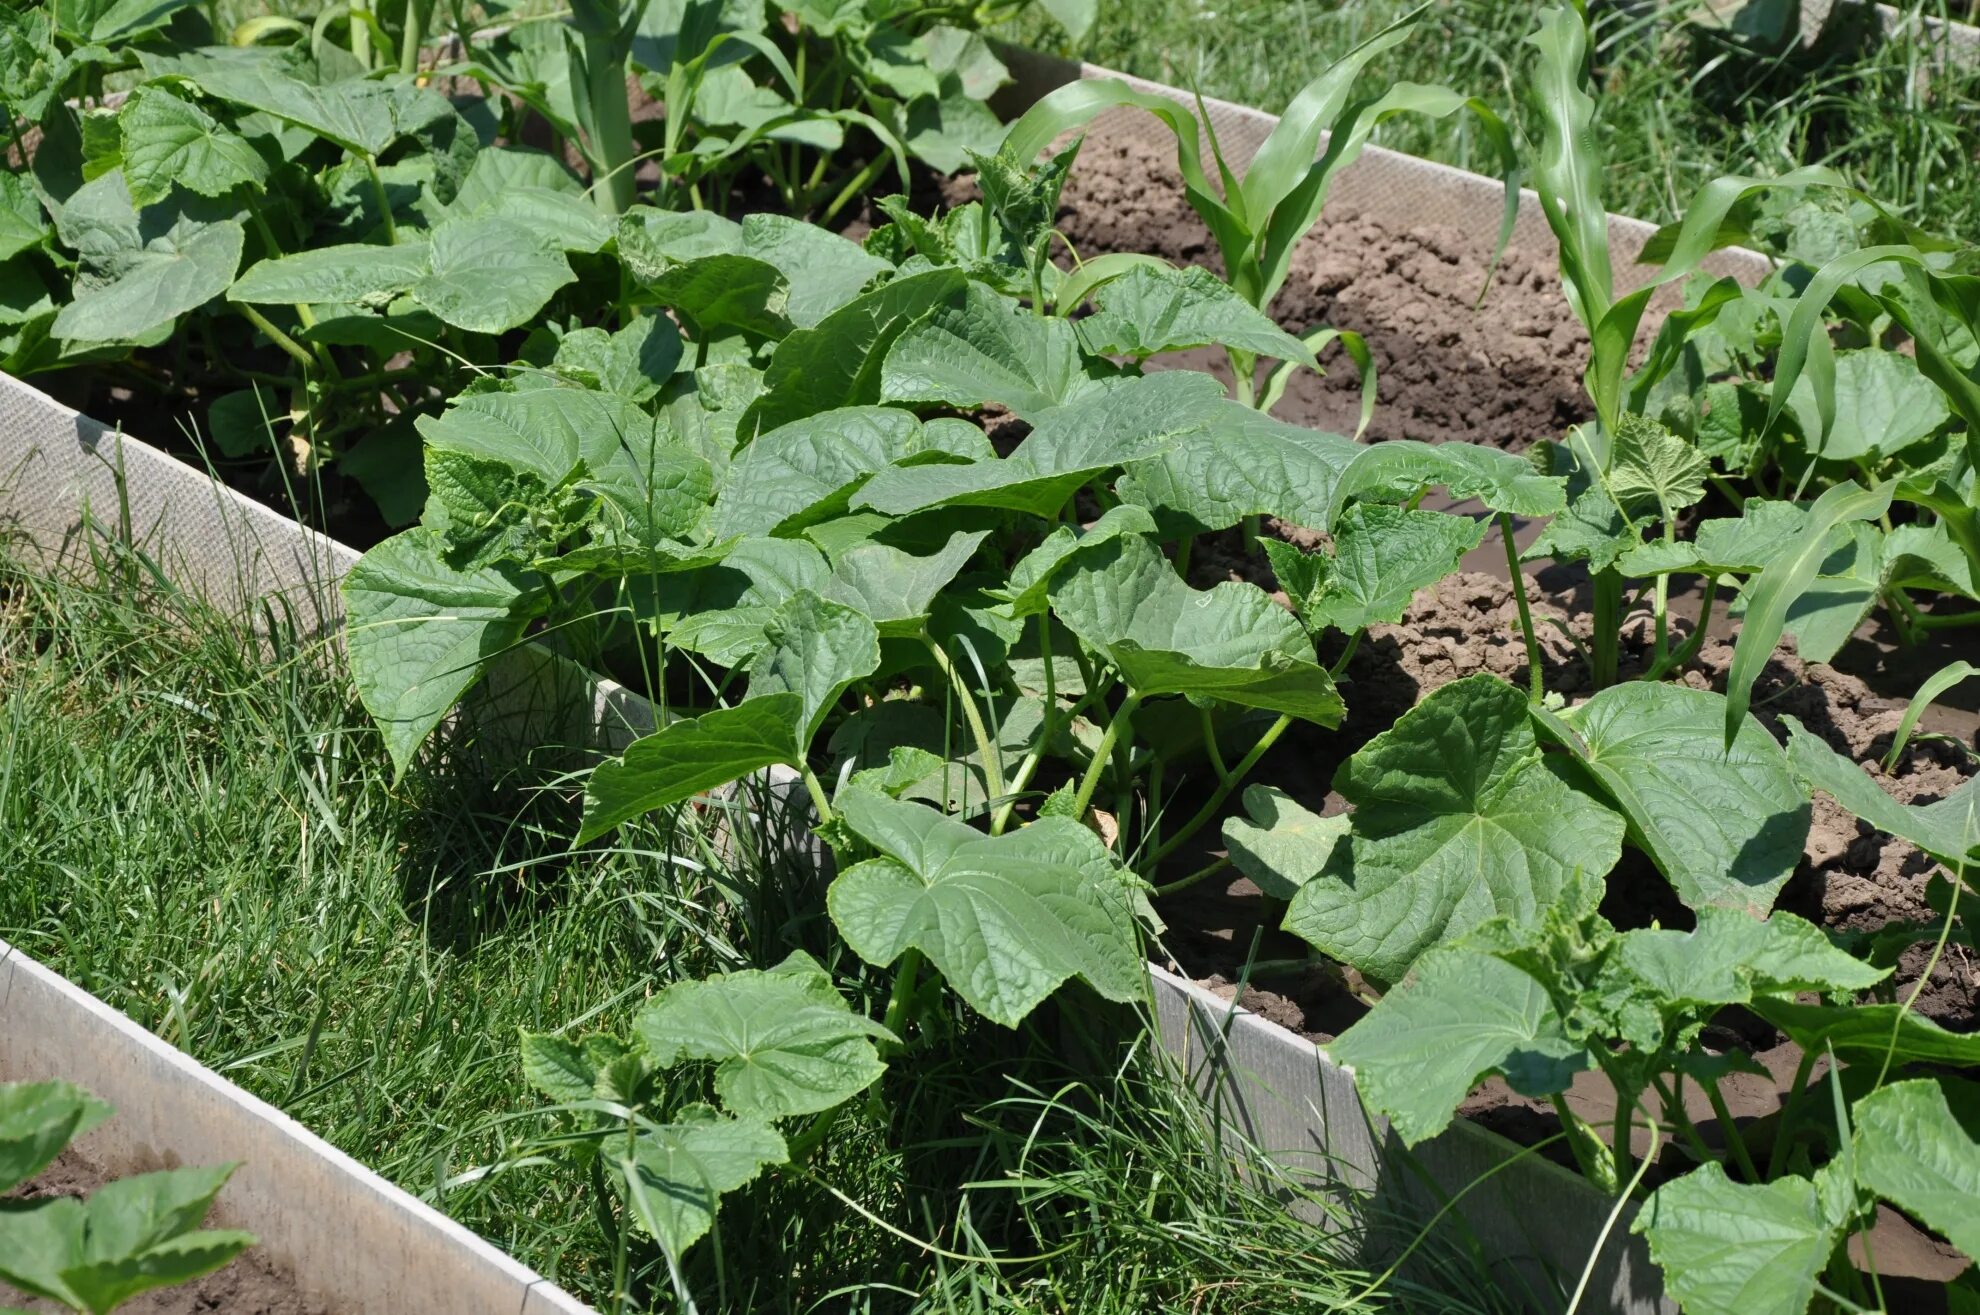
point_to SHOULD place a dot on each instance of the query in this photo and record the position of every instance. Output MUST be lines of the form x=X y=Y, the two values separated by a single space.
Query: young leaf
x=815 y=649
x=987 y=350
x=1731 y=1248
x=1155 y=308
x=686 y=757
x=38 y=1119
x=1911 y=1151
x=1382 y=556
x=1232 y=643
x=169 y=141
x=1461 y=1015
x=1457 y=819
x=784 y=1042
x=1784 y=579
x=1725 y=825
x=1005 y=920
x=1279 y=844
x=558 y=1068
x=678 y=1172
x=1653 y=471
x=420 y=630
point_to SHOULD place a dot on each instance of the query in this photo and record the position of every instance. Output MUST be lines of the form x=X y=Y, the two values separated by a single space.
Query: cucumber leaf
x=679 y=1171
x=1726 y=826
x=1948 y=830
x=1159 y=308
x=815 y=649
x=783 y=1041
x=987 y=350
x=807 y=471
x=1914 y=1153
x=687 y=757
x=1729 y=1248
x=168 y=141
x=1280 y=844
x=38 y=1119
x=1458 y=819
x=1382 y=556
x=1231 y=643
x=490 y=274
x=1006 y=920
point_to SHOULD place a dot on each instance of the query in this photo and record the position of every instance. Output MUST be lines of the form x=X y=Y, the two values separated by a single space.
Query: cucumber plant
x=128 y=1237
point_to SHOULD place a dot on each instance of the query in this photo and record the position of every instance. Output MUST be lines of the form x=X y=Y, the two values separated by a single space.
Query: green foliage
x=127 y=1238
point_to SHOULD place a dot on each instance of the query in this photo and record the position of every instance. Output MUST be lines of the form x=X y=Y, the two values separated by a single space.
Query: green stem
x=1619 y=1133
x=1673 y=1098
x=384 y=202
x=902 y=999
x=1211 y=748
x=1783 y=1125
x=1203 y=873
x=993 y=767
x=1945 y=621
x=858 y=183
x=803 y=1146
x=1729 y=1131
x=417 y=13
x=817 y=792
x=1244 y=385
x=1534 y=682
x=1224 y=787
x=613 y=151
x=1689 y=649
x=1347 y=654
x=1606 y=640
x=1123 y=717
x=1583 y=1141
x=276 y=336
x=1019 y=783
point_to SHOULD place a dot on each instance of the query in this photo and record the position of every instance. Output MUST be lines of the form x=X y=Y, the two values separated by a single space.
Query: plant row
x=775 y=478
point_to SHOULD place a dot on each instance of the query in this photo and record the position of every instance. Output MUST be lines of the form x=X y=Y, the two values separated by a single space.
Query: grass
x=1676 y=106
x=197 y=824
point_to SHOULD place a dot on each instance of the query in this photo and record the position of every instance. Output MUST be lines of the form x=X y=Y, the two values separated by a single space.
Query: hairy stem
x=902 y=999
x=1731 y=1134
x=1018 y=783
x=1122 y=719
x=384 y=201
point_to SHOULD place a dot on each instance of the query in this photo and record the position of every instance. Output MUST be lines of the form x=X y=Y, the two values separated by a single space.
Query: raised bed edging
x=349 y=1237
x=65 y=478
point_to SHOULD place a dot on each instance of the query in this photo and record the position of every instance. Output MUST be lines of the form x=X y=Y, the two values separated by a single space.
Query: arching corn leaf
x=783 y=1041
x=1948 y=830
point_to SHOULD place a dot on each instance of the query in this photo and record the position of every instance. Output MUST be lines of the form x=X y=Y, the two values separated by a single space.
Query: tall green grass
x=1677 y=104
x=197 y=823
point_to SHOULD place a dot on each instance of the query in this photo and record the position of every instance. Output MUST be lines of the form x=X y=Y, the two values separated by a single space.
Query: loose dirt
x=252 y=1284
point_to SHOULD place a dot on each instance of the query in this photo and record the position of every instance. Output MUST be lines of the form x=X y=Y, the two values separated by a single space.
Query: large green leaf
x=1883 y=404
x=420 y=630
x=1382 y=556
x=1731 y=1248
x=1725 y=825
x=726 y=291
x=895 y=588
x=686 y=757
x=490 y=274
x=678 y=1172
x=1458 y=819
x=814 y=648
x=1783 y=580
x=1460 y=1016
x=1156 y=308
x=22 y=227
x=807 y=471
x=824 y=271
x=1071 y=445
x=361 y=114
x=169 y=141
x=353 y=273
x=1239 y=462
x=1280 y=844
x=987 y=350
x=140 y=269
x=1231 y=643
x=1006 y=920
x=104 y=1285
x=1911 y=1151
x=1503 y=481
x=1948 y=830
x=38 y=1119
x=1869 y=1033
x=783 y=1042
x=837 y=362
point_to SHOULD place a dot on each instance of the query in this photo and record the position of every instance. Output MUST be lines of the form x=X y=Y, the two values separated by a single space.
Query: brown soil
x=252 y=1284
x=1503 y=373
